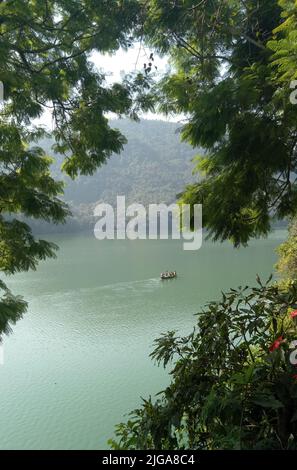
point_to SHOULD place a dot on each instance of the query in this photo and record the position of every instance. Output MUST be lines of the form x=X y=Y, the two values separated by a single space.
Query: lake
x=78 y=360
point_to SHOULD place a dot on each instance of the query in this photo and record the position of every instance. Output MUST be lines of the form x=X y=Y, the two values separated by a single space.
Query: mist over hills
x=153 y=168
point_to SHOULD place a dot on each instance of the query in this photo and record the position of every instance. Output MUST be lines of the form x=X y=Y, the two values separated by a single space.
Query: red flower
x=293 y=314
x=294 y=377
x=276 y=344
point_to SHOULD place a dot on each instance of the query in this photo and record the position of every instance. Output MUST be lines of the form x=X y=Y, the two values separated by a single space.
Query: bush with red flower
x=276 y=344
x=233 y=385
x=293 y=314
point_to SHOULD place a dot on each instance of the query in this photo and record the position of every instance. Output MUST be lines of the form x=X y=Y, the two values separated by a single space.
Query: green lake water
x=78 y=360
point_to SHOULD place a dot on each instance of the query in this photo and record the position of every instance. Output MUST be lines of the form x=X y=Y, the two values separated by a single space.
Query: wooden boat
x=168 y=275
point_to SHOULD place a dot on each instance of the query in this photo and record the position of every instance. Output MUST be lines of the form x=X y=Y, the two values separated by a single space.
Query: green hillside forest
x=153 y=168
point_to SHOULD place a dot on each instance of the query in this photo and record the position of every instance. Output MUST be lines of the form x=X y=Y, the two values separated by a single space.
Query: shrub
x=233 y=384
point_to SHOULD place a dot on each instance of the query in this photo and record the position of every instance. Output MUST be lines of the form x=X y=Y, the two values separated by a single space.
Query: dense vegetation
x=233 y=386
x=232 y=72
x=287 y=263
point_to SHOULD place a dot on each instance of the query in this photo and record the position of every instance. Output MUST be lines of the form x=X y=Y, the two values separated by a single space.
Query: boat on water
x=168 y=275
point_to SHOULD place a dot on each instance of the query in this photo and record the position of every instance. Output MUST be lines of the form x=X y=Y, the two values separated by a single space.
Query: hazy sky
x=125 y=62
x=115 y=66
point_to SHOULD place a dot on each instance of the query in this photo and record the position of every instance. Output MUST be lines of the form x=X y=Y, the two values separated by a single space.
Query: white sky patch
x=123 y=62
x=115 y=66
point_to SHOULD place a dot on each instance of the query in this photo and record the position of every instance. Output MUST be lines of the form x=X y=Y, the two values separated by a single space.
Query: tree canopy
x=233 y=62
x=46 y=63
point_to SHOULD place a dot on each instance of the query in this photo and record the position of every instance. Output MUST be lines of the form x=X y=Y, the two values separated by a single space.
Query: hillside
x=153 y=167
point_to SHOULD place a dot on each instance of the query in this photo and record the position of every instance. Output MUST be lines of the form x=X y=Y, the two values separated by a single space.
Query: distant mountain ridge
x=153 y=168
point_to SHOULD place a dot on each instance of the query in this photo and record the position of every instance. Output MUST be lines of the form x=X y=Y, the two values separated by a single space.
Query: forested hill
x=153 y=167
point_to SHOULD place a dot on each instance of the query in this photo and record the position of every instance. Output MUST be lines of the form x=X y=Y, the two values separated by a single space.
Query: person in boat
x=168 y=275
